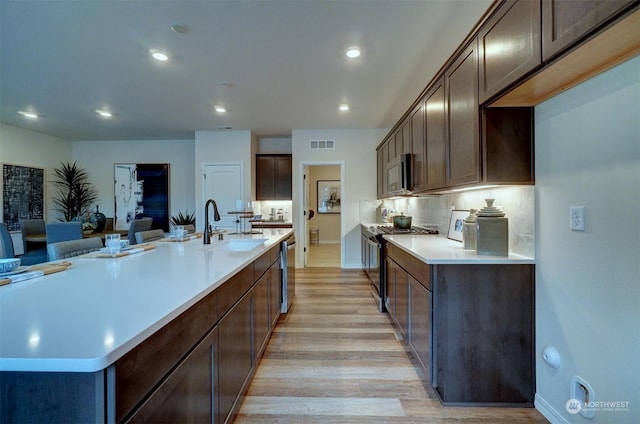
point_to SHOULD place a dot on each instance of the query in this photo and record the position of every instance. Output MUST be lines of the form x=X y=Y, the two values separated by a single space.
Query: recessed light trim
x=220 y=109
x=180 y=28
x=159 y=56
x=344 y=107
x=353 y=52
x=29 y=115
x=104 y=113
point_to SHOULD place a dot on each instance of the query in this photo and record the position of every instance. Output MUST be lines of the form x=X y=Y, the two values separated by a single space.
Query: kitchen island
x=469 y=319
x=173 y=332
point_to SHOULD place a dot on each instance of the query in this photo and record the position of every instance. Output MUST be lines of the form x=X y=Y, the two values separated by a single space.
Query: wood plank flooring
x=324 y=255
x=335 y=359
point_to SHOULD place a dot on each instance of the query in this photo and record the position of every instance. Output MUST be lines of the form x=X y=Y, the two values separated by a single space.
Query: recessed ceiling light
x=104 y=113
x=353 y=52
x=344 y=107
x=29 y=115
x=159 y=56
x=220 y=109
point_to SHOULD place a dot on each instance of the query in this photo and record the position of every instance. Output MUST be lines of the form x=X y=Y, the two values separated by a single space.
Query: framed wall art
x=329 y=195
x=456 y=223
x=22 y=194
x=141 y=189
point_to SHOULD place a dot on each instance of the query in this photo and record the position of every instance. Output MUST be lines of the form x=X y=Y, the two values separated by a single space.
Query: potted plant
x=184 y=219
x=75 y=193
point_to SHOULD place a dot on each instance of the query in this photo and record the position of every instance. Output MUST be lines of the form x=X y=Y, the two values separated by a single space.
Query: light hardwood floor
x=324 y=255
x=335 y=359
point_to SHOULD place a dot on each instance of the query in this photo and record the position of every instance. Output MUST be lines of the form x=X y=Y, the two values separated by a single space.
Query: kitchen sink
x=243 y=245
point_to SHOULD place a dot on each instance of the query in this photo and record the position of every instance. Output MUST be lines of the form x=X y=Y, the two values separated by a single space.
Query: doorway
x=323 y=224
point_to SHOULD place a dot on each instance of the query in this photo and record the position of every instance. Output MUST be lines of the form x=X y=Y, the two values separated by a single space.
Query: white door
x=306 y=214
x=223 y=184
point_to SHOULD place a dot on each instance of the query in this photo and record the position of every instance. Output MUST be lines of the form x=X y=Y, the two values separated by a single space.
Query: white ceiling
x=284 y=60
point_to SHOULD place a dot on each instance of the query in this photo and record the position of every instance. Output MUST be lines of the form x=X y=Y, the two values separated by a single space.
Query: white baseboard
x=548 y=412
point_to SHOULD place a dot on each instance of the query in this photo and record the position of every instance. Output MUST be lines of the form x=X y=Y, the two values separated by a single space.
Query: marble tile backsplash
x=516 y=201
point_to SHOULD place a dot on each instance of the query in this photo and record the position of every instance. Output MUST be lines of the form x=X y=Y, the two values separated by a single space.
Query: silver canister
x=492 y=231
x=469 y=231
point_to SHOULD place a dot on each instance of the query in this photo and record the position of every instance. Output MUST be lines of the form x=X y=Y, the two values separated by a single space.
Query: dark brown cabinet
x=483 y=333
x=509 y=46
x=463 y=131
x=435 y=137
x=261 y=318
x=420 y=319
x=275 y=293
x=187 y=394
x=418 y=148
x=565 y=23
x=273 y=177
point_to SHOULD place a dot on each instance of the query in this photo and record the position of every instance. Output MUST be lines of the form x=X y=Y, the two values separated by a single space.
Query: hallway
x=335 y=359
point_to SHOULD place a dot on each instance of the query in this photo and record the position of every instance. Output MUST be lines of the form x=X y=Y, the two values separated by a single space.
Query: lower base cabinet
x=470 y=327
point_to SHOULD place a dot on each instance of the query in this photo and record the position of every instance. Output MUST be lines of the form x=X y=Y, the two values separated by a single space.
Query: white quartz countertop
x=439 y=250
x=87 y=317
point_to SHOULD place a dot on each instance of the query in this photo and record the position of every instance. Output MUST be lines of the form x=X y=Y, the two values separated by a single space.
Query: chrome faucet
x=216 y=217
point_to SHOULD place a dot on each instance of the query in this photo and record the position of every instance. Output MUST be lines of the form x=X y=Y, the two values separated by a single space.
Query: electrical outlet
x=576 y=218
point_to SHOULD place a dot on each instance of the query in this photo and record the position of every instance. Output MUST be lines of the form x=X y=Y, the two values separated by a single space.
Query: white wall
x=354 y=148
x=99 y=157
x=29 y=148
x=223 y=147
x=587 y=283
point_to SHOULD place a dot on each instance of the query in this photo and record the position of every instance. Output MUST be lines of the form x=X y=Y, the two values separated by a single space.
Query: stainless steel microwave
x=399 y=175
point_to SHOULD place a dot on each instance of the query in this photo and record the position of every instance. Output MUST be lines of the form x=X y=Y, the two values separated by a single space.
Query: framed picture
x=141 y=189
x=456 y=223
x=22 y=194
x=329 y=195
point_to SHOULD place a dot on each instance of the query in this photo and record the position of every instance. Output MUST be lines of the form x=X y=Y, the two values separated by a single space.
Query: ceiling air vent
x=322 y=144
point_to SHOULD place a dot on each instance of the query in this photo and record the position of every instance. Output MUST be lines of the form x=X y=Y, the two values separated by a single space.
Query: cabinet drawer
x=414 y=266
x=231 y=291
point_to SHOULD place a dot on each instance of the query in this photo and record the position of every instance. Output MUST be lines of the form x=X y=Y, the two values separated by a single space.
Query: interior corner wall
x=328 y=224
x=222 y=147
x=357 y=150
x=24 y=147
x=587 y=284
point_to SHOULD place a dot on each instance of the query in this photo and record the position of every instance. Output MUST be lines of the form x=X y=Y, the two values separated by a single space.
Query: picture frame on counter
x=456 y=222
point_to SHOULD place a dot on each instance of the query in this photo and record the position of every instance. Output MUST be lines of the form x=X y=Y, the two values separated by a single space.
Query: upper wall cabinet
x=463 y=146
x=565 y=23
x=435 y=136
x=273 y=177
x=418 y=147
x=509 y=46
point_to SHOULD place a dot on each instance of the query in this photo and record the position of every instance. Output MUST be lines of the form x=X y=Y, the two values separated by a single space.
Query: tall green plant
x=75 y=193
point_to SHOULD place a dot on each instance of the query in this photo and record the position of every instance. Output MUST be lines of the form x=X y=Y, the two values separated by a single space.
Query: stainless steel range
x=372 y=253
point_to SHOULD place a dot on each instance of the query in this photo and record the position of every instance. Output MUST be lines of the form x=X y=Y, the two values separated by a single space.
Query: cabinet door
x=418 y=147
x=420 y=333
x=381 y=172
x=435 y=137
x=261 y=319
x=283 y=178
x=402 y=300
x=187 y=394
x=405 y=130
x=509 y=46
x=390 y=282
x=564 y=22
x=234 y=357
x=275 y=293
x=463 y=149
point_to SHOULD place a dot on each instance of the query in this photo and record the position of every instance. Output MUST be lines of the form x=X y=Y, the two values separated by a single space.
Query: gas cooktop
x=390 y=229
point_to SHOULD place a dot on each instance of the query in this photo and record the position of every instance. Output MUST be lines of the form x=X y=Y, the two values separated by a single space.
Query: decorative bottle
x=99 y=220
x=492 y=231
x=469 y=231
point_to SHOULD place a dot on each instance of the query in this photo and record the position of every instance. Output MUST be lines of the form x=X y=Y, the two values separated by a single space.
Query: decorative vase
x=99 y=220
x=469 y=234
x=492 y=231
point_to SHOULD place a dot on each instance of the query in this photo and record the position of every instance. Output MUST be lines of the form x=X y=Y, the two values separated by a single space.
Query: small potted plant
x=184 y=219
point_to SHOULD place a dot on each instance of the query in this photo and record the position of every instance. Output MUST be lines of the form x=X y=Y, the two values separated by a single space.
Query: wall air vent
x=322 y=144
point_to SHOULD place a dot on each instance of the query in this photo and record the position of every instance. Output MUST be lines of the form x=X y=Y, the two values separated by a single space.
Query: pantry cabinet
x=509 y=46
x=565 y=23
x=273 y=177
